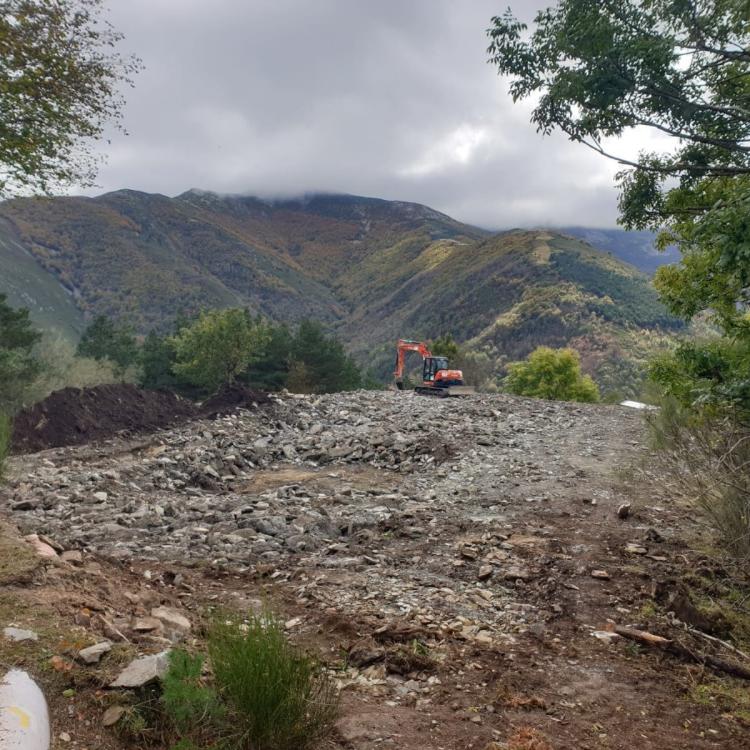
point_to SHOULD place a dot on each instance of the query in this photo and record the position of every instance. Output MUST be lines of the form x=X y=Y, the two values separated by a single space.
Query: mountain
x=637 y=248
x=373 y=270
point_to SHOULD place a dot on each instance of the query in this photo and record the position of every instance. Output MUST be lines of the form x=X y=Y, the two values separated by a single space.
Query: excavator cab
x=431 y=366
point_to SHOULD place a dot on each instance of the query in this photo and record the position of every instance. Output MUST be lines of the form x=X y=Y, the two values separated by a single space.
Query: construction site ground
x=458 y=564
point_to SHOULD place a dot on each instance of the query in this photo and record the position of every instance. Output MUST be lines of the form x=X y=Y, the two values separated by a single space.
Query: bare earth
x=437 y=553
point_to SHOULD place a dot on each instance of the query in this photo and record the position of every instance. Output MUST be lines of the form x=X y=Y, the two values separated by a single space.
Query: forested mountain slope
x=373 y=270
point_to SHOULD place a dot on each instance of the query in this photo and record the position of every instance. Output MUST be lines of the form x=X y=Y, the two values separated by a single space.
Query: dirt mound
x=229 y=397
x=73 y=415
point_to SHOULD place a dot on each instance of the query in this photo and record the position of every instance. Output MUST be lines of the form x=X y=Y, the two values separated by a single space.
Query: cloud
x=392 y=99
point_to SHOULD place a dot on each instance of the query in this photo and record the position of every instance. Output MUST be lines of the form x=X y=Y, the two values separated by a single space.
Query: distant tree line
x=195 y=358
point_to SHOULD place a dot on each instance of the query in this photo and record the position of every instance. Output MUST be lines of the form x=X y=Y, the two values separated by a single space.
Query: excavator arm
x=404 y=346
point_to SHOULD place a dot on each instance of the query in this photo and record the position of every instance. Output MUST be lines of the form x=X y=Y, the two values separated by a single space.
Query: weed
x=279 y=698
x=266 y=693
x=191 y=706
x=730 y=697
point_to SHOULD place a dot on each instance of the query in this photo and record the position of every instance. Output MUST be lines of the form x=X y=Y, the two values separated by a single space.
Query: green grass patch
x=266 y=694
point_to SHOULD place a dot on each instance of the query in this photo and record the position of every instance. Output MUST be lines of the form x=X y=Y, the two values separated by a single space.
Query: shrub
x=551 y=374
x=278 y=697
x=6 y=430
x=267 y=694
x=706 y=454
x=194 y=709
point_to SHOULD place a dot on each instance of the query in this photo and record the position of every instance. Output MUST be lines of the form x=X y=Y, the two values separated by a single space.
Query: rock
x=19 y=635
x=92 y=654
x=143 y=670
x=72 y=556
x=146 y=624
x=64 y=737
x=174 y=622
x=485 y=572
x=623 y=511
x=112 y=715
x=605 y=635
x=41 y=548
x=27 y=504
x=635 y=549
x=601 y=574
x=100 y=497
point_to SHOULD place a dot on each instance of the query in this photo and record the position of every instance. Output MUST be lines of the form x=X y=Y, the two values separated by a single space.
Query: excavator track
x=454 y=391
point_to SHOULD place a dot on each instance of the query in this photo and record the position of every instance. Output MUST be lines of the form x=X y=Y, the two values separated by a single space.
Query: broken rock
x=93 y=654
x=143 y=670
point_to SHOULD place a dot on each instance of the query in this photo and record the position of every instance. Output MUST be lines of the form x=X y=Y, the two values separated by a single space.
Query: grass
x=266 y=693
x=730 y=696
x=18 y=561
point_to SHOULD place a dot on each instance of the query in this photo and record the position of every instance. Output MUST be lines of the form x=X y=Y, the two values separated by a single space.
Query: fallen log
x=678 y=649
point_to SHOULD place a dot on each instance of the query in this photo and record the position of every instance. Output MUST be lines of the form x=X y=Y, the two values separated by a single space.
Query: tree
x=445 y=346
x=270 y=369
x=105 y=339
x=551 y=374
x=217 y=347
x=18 y=366
x=60 y=81
x=326 y=366
x=680 y=67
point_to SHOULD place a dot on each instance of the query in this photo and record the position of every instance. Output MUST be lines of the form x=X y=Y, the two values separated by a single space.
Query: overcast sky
x=386 y=98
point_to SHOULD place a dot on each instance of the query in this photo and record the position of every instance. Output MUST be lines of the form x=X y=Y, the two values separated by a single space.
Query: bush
x=551 y=374
x=6 y=431
x=706 y=455
x=267 y=695
x=278 y=696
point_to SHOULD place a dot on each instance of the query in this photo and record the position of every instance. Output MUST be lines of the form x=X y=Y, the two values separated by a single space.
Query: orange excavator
x=437 y=379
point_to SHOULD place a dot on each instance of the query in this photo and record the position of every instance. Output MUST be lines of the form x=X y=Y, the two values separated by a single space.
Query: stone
x=64 y=737
x=143 y=670
x=623 y=511
x=146 y=624
x=112 y=715
x=41 y=548
x=100 y=497
x=485 y=572
x=174 y=622
x=601 y=574
x=92 y=654
x=19 y=635
x=72 y=556
x=635 y=549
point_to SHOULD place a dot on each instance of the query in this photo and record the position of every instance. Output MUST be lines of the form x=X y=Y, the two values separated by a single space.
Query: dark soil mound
x=73 y=416
x=234 y=396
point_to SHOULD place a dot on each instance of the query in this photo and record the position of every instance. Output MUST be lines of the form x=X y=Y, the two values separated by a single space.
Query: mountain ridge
x=372 y=270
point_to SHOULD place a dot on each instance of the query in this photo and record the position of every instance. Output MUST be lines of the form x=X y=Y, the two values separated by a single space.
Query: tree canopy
x=217 y=347
x=679 y=67
x=551 y=374
x=106 y=339
x=18 y=366
x=60 y=85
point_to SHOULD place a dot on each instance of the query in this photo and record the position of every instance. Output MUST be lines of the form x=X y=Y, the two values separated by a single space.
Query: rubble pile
x=404 y=504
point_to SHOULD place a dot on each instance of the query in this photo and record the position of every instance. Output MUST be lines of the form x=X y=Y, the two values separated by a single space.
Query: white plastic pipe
x=24 y=719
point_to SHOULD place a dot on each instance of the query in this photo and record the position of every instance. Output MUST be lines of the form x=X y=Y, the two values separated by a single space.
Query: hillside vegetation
x=371 y=270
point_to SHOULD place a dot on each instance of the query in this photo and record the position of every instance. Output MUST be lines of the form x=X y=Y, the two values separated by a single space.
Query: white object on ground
x=24 y=719
x=638 y=405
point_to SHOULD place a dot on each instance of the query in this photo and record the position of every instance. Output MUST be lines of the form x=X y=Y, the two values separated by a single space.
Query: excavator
x=437 y=379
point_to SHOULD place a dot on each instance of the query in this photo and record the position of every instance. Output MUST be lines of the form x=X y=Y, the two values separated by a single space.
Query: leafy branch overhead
x=680 y=67
x=61 y=80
